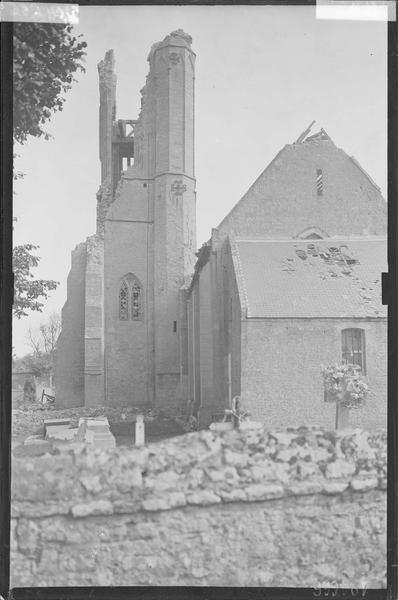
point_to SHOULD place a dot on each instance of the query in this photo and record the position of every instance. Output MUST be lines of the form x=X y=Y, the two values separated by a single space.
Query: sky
x=263 y=73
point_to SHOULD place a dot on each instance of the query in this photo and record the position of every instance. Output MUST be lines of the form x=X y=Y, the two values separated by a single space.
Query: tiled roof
x=334 y=277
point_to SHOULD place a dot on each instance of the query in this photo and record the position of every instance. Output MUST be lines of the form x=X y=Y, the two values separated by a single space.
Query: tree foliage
x=28 y=291
x=46 y=56
x=43 y=344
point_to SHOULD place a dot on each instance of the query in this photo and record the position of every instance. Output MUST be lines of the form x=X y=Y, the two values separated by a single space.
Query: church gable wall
x=281 y=370
x=284 y=200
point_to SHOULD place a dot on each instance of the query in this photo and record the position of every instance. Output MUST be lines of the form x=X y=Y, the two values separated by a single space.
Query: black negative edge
x=206 y=593
x=6 y=297
x=392 y=300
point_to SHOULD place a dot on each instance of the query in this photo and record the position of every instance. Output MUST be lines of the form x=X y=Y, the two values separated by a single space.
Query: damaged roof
x=333 y=277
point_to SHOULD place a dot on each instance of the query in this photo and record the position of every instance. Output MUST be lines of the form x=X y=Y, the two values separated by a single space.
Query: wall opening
x=319 y=182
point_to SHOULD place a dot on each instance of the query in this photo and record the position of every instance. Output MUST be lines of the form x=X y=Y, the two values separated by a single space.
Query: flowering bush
x=344 y=384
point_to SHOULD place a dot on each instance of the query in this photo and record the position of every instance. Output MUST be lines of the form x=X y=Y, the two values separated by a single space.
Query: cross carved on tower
x=178 y=187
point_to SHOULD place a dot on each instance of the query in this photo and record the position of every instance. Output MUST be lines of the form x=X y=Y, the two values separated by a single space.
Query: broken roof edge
x=203 y=257
x=359 y=166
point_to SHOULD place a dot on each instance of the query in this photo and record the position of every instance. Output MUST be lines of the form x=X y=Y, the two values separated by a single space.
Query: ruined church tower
x=122 y=315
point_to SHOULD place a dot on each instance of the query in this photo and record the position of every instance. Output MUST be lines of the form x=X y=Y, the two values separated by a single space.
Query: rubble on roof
x=326 y=278
x=305 y=137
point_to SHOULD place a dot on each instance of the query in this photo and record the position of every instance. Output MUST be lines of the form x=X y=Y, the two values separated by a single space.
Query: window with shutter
x=353 y=347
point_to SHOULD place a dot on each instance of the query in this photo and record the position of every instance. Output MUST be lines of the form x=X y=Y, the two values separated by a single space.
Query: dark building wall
x=214 y=355
x=69 y=370
x=281 y=370
x=206 y=346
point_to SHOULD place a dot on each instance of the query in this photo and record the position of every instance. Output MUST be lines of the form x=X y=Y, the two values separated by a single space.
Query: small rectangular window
x=319 y=182
x=174 y=326
x=353 y=347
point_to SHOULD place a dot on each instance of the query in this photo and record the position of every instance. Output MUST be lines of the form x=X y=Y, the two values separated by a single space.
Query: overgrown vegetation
x=344 y=385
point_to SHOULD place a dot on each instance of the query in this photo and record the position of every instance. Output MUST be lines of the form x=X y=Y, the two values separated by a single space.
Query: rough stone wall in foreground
x=255 y=508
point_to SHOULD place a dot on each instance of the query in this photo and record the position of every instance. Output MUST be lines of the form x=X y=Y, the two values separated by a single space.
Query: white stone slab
x=62 y=434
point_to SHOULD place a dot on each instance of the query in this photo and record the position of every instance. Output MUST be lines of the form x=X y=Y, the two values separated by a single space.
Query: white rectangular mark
x=39 y=12
x=361 y=10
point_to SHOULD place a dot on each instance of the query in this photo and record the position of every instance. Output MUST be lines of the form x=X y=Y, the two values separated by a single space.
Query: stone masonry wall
x=294 y=395
x=243 y=508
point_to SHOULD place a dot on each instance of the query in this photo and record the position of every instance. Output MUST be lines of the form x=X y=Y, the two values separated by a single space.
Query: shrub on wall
x=344 y=384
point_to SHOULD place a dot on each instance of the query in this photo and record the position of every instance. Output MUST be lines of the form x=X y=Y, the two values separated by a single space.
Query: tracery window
x=130 y=299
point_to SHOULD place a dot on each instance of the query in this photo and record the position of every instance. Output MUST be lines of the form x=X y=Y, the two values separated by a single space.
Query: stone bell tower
x=150 y=231
x=172 y=63
x=122 y=328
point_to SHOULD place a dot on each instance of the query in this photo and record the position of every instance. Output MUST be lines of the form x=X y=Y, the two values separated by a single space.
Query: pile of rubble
x=60 y=434
x=30 y=417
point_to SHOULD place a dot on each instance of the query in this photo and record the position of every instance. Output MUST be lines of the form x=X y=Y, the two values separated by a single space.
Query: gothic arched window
x=130 y=299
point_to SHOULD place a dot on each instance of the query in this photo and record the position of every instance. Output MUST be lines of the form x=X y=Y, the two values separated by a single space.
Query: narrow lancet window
x=124 y=302
x=136 y=303
x=319 y=182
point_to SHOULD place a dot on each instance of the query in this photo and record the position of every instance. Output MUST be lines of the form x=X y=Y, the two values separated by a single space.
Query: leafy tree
x=45 y=57
x=43 y=344
x=28 y=291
